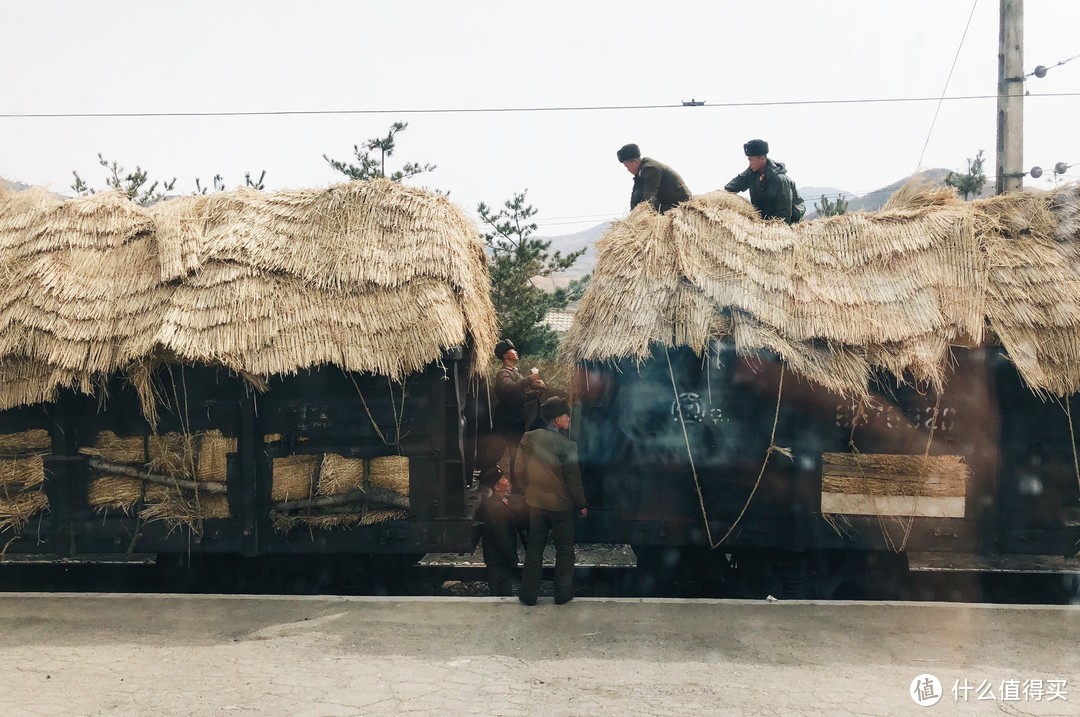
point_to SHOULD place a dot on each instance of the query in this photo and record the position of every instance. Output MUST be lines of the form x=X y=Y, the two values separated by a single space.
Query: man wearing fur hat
x=772 y=192
x=499 y=532
x=654 y=182
x=517 y=397
x=554 y=494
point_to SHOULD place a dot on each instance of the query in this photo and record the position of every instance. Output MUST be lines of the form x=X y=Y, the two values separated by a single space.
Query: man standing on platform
x=549 y=469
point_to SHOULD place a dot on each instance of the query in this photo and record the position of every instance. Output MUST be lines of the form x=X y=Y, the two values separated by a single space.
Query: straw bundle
x=201 y=456
x=376 y=515
x=118 y=449
x=294 y=477
x=338 y=474
x=17 y=510
x=892 y=474
x=391 y=473
x=35 y=439
x=21 y=471
x=844 y=298
x=115 y=492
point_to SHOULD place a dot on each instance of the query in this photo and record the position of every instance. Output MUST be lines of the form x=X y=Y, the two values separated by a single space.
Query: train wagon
x=785 y=410
x=239 y=374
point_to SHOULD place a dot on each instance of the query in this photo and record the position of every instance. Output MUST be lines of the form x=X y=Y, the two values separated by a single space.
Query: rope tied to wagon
x=773 y=448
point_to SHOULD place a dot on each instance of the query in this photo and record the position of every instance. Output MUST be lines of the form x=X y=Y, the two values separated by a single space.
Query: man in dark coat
x=553 y=492
x=654 y=182
x=517 y=397
x=499 y=534
x=772 y=192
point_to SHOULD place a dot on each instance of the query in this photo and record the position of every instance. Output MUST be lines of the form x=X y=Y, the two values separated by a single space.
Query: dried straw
x=294 y=477
x=391 y=473
x=21 y=472
x=35 y=439
x=17 y=510
x=842 y=299
x=338 y=474
x=368 y=276
x=892 y=474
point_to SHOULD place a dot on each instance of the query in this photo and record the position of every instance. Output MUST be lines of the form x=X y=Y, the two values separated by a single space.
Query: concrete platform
x=210 y=655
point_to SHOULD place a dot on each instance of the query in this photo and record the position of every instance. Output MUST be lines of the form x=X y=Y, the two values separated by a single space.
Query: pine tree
x=971 y=183
x=831 y=209
x=372 y=165
x=516 y=259
x=135 y=184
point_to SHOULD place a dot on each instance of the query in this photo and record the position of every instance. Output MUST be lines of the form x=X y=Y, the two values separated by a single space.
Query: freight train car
x=784 y=410
x=713 y=465
x=326 y=463
x=239 y=374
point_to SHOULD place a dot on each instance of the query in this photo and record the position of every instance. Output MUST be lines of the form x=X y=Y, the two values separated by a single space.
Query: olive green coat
x=659 y=185
x=772 y=192
x=548 y=468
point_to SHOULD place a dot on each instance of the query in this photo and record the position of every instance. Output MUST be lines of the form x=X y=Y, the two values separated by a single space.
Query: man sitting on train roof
x=772 y=192
x=654 y=182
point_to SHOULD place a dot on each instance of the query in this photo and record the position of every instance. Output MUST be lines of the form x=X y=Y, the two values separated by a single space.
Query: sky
x=389 y=61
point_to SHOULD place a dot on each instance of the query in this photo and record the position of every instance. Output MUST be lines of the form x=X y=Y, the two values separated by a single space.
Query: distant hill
x=12 y=185
x=585 y=239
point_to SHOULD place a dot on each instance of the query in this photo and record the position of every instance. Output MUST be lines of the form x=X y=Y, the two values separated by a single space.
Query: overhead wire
x=945 y=89
x=481 y=110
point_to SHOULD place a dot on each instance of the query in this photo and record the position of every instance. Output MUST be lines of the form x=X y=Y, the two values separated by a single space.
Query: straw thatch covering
x=843 y=298
x=368 y=276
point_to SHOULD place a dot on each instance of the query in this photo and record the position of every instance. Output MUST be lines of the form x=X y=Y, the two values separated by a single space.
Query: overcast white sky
x=197 y=56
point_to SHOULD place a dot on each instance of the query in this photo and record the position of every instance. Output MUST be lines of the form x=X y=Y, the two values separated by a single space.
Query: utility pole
x=1010 y=102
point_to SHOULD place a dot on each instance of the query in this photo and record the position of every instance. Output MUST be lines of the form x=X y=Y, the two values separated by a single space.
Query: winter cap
x=491 y=476
x=502 y=347
x=554 y=407
x=756 y=148
x=628 y=151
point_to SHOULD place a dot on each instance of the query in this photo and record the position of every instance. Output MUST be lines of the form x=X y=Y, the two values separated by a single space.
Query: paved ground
x=210 y=655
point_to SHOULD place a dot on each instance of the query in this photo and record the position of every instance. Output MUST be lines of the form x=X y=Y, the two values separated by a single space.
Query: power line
x=482 y=110
x=946 y=87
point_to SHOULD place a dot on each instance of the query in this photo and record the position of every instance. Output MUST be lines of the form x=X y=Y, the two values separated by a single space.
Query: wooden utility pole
x=1010 y=102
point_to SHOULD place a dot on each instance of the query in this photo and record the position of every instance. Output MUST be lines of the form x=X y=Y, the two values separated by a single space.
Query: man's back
x=548 y=464
x=658 y=184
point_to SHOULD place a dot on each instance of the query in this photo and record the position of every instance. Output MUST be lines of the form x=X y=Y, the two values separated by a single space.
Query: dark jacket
x=499 y=533
x=659 y=185
x=772 y=192
x=548 y=468
x=517 y=404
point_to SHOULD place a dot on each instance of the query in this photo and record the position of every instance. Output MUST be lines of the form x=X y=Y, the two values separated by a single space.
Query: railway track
x=463 y=576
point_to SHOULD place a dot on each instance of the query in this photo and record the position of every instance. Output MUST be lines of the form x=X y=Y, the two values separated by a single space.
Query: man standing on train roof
x=518 y=398
x=654 y=182
x=772 y=192
x=554 y=494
